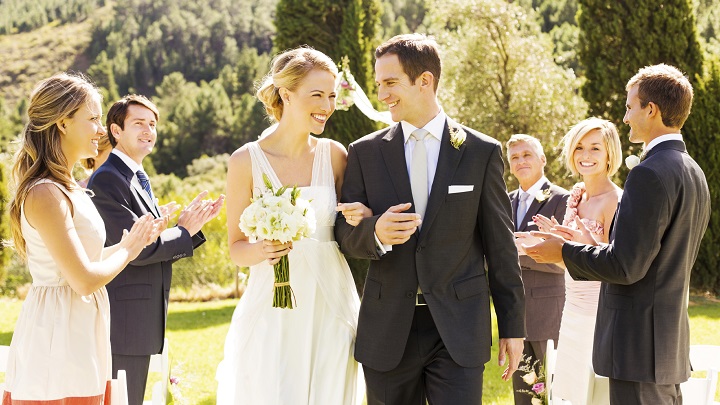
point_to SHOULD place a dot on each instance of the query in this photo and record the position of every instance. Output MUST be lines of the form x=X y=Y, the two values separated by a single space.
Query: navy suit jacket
x=139 y=294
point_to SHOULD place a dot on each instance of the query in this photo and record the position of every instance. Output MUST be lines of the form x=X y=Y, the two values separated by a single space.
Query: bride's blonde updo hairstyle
x=288 y=70
x=40 y=154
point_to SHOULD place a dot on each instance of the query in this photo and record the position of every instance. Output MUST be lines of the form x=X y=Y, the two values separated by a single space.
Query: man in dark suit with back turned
x=544 y=283
x=642 y=334
x=424 y=327
x=139 y=294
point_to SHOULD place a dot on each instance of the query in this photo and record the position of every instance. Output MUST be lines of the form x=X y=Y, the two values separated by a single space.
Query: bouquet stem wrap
x=283 y=296
x=279 y=215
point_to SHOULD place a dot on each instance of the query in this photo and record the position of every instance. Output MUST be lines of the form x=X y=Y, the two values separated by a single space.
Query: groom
x=440 y=244
x=642 y=334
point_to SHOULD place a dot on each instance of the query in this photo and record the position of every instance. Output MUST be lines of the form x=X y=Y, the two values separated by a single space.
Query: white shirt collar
x=535 y=187
x=435 y=127
x=128 y=161
x=662 y=138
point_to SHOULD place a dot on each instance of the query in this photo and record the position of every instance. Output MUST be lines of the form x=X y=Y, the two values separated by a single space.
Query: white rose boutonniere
x=542 y=195
x=457 y=136
x=632 y=161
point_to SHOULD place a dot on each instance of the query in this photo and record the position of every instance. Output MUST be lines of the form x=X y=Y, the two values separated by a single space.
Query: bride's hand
x=354 y=212
x=273 y=250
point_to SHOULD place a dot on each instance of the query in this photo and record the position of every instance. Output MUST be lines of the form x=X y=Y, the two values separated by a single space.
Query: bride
x=302 y=355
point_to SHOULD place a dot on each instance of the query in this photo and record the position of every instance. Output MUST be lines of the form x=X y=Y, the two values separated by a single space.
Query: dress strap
x=261 y=165
x=322 y=166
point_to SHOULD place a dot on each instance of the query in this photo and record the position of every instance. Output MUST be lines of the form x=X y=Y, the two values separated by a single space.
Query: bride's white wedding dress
x=303 y=355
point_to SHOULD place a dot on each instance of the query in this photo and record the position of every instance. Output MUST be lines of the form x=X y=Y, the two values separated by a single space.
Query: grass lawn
x=196 y=332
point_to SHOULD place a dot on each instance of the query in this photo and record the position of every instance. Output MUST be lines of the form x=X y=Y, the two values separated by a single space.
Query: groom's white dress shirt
x=435 y=128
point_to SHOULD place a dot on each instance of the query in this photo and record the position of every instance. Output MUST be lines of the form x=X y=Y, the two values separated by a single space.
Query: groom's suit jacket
x=139 y=294
x=642 y=331
x=463 y=234
x=544 y=282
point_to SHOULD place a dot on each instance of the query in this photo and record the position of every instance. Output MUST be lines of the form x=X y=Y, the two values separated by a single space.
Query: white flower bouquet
x=283 y=216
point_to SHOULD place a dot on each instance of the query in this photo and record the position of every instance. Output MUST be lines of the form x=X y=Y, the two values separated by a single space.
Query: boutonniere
x=457 y=136
x=632 y=161
x=542 y=195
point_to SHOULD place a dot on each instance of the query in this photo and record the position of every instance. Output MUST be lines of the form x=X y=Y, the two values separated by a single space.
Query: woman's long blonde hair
x=40 y=154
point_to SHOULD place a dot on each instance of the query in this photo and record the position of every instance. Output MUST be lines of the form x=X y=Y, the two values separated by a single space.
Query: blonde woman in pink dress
x=591 y=150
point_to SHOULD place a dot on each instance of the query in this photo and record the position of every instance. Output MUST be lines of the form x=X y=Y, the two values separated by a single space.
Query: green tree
x=702 y=136
x=617 y=38
x=337 y=28
x=500 y=78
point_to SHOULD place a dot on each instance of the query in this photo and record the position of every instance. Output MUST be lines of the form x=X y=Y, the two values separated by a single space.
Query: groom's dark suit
x=139 y=294
x=462 y=234
x=544 y=285
x=642 y=332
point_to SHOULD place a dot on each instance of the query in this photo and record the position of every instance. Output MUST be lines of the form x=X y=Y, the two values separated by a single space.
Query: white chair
x=118 y=389
x=160 y=363
x=701 y=391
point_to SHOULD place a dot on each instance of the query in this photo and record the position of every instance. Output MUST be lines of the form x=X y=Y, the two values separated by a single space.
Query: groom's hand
x=513 y=348
x=395 y=227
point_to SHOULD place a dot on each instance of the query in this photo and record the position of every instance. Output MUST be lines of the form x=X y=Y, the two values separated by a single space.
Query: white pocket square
x=459 y=189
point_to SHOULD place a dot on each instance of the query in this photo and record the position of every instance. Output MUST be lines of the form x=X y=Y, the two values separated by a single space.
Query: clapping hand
x=354 y=212
x=199 y=212
x=169 y=208
x=544 y=223
x=581 y=234
x=144 y=231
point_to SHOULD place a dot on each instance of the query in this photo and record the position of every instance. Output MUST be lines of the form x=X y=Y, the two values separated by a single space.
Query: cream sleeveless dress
x=577 y=326
x=60 y=350
x=303 y=355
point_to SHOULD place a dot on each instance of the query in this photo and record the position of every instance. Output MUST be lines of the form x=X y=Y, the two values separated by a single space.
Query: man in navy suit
x=139 y=294
x=642 y=334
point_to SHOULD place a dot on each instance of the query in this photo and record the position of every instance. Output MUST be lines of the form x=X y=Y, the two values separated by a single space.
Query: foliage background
x=523 y=66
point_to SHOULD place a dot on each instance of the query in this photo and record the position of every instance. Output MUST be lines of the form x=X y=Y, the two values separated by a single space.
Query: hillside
x=31 y=56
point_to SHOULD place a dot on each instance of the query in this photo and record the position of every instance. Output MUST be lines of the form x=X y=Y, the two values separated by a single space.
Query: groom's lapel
x=448 y=161
x=393 y=151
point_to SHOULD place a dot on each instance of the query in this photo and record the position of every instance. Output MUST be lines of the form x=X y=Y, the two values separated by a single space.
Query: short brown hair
x=118 y=112
x=417 y=53
x=668 y=88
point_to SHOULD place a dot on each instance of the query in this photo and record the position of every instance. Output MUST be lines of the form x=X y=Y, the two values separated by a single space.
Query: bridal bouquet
x=283 y=216
x=535 y=380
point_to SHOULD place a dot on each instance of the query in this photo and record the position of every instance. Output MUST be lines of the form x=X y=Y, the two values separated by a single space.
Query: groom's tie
x=145 y=183
x=418 y=171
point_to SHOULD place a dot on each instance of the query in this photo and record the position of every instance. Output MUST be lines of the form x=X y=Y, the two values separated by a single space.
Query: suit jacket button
x=410 y=294
x=419 y=249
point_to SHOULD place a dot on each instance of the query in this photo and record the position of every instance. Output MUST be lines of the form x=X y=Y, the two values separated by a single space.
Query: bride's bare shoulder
x=240 y=159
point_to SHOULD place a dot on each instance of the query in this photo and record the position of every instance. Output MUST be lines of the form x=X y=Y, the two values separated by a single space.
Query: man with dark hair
x=642 y=335
x=443 y=217
x=139 y=294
